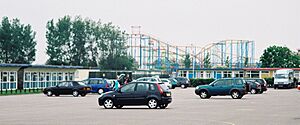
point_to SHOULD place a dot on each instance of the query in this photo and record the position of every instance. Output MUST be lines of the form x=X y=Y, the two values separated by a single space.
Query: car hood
x=202 y=86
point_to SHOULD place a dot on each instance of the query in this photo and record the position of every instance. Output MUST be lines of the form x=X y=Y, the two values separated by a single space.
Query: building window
x=208 y=74
x=227 y=74
x=239 y=74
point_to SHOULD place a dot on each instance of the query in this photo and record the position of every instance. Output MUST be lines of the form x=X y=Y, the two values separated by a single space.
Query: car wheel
x=152 y=103
x=49 y=93
x=235 y=94
x=119 y=106
x=108 y=103
x=182 y=86
x=204 y=94
x=100 y=91
x=173 y=87
x=253 y=91
x=163 y=106
x=83 y=94
x=75 y=93
x=261 y=91
x=56 y=94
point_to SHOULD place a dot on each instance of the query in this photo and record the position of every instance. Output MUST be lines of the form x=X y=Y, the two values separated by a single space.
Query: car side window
x=228 y=82
x=128 y=88
x=62 y=84
x=219 y=82
x=93 y=82
x=69 y=84
x=152 y=87
x=142 y=87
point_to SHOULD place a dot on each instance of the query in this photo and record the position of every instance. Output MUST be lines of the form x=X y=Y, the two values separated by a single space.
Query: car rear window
x=163 y=86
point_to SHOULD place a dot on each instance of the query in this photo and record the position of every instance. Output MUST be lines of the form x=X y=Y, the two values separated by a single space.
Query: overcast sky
x=185 y=22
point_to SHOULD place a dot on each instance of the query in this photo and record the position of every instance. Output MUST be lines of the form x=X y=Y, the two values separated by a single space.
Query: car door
x=217 y=88
x=227 y=86
x=126 y=96
x=69 y=87
x=62 y=88
x=141 y=93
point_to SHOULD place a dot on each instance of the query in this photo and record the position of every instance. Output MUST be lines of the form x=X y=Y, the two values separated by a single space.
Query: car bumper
x=197 y=91
x=264 y=88
x=166 y=100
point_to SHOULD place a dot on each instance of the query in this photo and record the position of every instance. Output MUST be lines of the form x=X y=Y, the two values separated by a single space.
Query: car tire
x=83 y=94
x=182 y=86
x=56 y=94
x=152 y=103
x=108 y=103
x=75 y=93
x=100 y=91
x=163 y=106
x=261 y=92
x=49 y=93
x=253 y=91
x=173 y=87
x=119 y=106
x=204 y=94
x=235 y=94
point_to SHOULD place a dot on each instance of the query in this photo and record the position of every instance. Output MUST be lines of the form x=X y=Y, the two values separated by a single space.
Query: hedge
x=196 y=82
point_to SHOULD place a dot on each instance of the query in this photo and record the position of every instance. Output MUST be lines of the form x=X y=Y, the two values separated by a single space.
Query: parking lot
x=272 y=107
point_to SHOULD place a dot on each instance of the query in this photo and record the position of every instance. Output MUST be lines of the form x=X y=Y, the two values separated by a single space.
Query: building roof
x=40 y=66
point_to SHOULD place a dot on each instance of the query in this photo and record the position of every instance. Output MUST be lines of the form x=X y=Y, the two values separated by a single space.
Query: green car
x=236 y=87
x=173 y=82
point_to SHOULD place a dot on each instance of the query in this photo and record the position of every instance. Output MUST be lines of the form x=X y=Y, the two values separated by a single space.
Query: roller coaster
x=152 y=53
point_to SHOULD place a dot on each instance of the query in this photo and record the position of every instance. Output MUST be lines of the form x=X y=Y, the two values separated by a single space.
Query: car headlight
x=197 y=87
x=101 y=95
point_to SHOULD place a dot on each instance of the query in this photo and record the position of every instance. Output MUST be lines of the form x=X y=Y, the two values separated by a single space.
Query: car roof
x=143 y=82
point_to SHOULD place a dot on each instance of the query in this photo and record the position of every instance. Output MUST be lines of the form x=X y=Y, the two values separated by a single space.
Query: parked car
x=173 y=82
x=236 y=87
x=262 y=82
x=298 y=87
x=254 y=87
x=183 y=82
x=99 y=85
x=137 y=93
x=167 y=82
x=149 y=79
x=68 y=88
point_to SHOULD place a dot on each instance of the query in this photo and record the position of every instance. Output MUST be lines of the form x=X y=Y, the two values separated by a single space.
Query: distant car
x=68 y=88
x=149 y=79
x=99 y=85
x=167 y=82
x=236 y=87
x=254 y=87
x=262 y=82
x=183 y=82
x=173 y=82
x=298 y=87
x=137 y=93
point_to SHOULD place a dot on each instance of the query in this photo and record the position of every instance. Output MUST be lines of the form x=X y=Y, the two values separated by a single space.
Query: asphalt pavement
x=275 y=107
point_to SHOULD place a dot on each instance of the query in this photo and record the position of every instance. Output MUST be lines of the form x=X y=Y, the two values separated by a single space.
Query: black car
x=183 y=82
x=68 y=88
x=254 y=87
x=262 y=82
x=137 y=93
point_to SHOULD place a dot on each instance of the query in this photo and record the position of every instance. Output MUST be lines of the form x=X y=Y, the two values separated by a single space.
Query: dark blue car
x=98 y=85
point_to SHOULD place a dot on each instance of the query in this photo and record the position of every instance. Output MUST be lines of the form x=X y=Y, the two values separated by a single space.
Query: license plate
x=168 y=94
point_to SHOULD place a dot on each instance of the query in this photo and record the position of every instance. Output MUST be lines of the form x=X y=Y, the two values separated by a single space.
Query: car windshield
x=281 y=76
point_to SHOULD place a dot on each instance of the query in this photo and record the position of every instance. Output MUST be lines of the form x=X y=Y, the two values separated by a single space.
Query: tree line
x=77 y=41
x=84 y=42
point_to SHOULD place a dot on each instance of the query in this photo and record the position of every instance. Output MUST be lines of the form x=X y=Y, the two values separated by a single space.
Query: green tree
x=17 y=44
x=87 y=43
x=187 y=61
x=206 y=61
x=279 y=57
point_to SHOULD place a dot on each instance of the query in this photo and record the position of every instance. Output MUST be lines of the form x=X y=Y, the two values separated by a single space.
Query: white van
x=284 y=78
